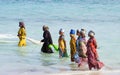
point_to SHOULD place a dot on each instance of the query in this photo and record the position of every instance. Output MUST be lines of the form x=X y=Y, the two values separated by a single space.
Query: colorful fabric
x=92 y=55
x=53 y=46
x=72 y=47
x=76 y=58
x=81 y=47
x=63 y=54
x=80 y=60
x=62 y=44
x=62 y=47
x=22 y=37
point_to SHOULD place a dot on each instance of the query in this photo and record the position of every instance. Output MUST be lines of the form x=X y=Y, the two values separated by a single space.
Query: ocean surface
x=101 y=16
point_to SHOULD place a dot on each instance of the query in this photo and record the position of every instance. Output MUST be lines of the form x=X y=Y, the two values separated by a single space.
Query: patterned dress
x=81 y=47
x=93 y=61
x=81 y=51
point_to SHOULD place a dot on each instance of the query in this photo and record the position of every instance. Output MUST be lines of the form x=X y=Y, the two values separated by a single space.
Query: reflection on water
x=22 y=51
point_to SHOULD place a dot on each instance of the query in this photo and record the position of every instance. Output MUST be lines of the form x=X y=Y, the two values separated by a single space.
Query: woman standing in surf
x=47 y=40
x=22 y=35
x=92 y=54
x=62 y=44
x=72 y=44
x=81 y=47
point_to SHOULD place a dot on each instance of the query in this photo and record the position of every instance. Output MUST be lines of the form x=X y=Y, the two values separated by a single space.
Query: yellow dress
x=22 y=37
x=72 y=47
x=62 y=47
x=62 y=43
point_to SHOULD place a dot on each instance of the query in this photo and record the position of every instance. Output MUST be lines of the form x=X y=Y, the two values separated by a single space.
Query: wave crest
x=7 y=36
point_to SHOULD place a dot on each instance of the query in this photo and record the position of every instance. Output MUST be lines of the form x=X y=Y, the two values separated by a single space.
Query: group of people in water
x=81 y=50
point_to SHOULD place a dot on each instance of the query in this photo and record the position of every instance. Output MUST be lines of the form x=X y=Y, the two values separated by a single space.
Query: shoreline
x=100 y=72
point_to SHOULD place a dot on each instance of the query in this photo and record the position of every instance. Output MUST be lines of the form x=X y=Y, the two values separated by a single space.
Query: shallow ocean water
x=103 y=17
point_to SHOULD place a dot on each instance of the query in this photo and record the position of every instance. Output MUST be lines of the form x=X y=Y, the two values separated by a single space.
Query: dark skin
x=78 y=33
x=82 y=34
